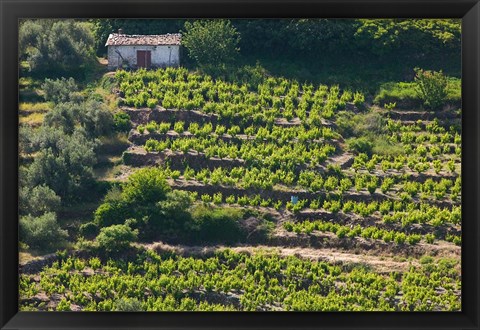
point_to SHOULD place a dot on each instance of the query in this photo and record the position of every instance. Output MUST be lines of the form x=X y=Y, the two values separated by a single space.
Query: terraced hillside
x=291 y=147
x=341 y=205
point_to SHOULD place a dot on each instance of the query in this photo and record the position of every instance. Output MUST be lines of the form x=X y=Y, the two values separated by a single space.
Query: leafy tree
x=38 y=200
x=93 y=116
x=431 y=87
x=64 y=163
x=60 y=46
x=61 y=90
x=116 y=238
x=63 y=117
x=96 y=119
x=42 y=232
x=121 y=122
x=211 y=43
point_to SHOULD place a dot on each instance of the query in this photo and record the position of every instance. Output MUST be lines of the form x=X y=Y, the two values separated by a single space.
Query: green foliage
x=432 y=87
x=61 y=90
x=216 y=225
x=110 y=213
x=93 y=116
x=173 y=212
x=96 y=119
x=89 y=230
x=258 y=161
x=405 y=37
x=171 y=280
x=38 y=200
x=56 y=46
x=360 y=145
x=429 y=86
x=430 y=238
x=42 y=232
x=146 y=186
x=121 y=122
x=64 y=163
x=116 y=238
x=128 y=305
x=403 y=94
x=211 y=43
x=358 y=99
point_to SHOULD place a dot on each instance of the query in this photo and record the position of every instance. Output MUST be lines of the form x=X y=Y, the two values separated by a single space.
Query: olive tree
x=42 y=232
x=59 y=46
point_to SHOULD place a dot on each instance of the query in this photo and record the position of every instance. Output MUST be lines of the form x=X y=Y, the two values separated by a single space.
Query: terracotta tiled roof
x=116 y=39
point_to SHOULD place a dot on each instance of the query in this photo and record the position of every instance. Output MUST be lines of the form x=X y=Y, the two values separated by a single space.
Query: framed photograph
x=238 y=164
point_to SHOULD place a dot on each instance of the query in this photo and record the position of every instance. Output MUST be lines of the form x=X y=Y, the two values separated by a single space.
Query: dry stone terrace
x=343 y=159
x=288 y=185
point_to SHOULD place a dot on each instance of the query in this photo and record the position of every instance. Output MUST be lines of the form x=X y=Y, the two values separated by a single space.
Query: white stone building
x=143 y=51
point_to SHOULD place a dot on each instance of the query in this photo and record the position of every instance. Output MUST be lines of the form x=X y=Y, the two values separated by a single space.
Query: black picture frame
x=11 y=11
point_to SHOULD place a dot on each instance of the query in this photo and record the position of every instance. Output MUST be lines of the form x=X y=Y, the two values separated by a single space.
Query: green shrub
x=89 y=230
x=206 y=198
x=358 y=99
x=164 y=127
x=167 y=218
x=37 y=201
x=179 y=127
x=151 y=127
x=216 y=224
x=60 y=46
x=110 y=213
x=60 y=90
x=96 y=119
x=63 y=306
x=230 y=199
x=431 y=86
x=371 y=187
x=116 y=238
x=360 y=145
x=121 y=122
x=413 y=239
x=217 y=198
x=400 y=238
x=42 y=232
x=63 y=162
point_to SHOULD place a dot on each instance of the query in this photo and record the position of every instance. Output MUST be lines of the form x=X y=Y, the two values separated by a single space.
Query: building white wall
x=161 y=55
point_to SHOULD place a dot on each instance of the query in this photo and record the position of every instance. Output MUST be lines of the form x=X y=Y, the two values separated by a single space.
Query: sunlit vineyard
x=318 y=171
x=290 y=156
x=230 y=281
x=261 y=158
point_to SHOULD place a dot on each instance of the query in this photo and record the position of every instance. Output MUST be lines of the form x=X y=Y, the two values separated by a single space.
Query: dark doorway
x=144 y=58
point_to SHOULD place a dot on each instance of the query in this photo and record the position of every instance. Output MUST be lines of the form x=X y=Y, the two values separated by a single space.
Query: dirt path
x=377 y=263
